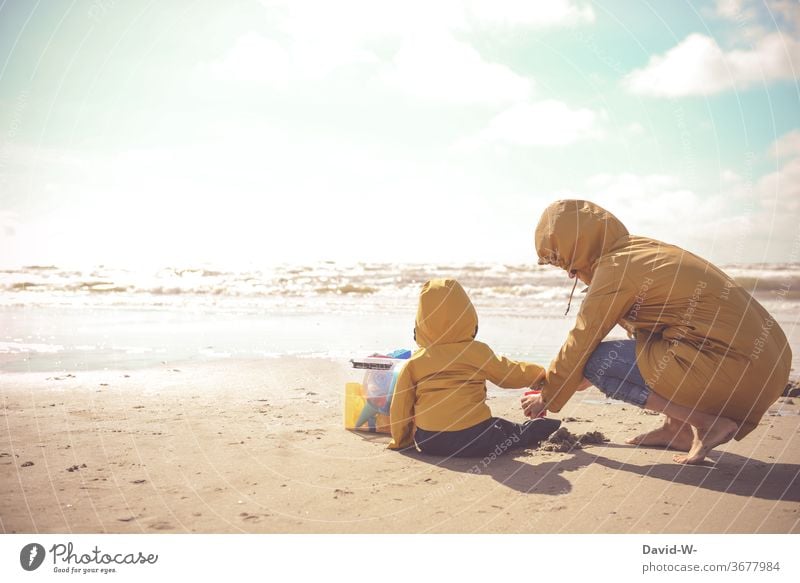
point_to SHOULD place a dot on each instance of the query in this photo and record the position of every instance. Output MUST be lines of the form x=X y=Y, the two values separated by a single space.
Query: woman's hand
x=532 y=405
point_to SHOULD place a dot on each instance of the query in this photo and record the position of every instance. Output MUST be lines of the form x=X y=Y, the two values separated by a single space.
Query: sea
x=55 y=318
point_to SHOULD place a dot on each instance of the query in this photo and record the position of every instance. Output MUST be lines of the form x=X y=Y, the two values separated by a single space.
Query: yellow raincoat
x=701 y=340
x=443 y=385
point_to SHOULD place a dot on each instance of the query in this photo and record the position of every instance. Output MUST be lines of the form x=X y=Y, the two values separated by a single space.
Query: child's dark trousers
x=494 y=436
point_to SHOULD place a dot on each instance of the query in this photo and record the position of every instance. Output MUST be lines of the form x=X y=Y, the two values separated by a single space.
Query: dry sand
x=258 y=447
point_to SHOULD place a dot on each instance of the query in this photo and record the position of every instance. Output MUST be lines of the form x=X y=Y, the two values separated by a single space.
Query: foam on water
x=55 y=318
x=289 y=287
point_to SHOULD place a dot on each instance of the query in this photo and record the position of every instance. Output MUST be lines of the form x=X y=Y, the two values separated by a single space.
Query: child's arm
x=401 y=412
x=510 y=374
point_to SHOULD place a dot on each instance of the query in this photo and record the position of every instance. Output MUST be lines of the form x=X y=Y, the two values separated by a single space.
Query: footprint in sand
x=310 y=431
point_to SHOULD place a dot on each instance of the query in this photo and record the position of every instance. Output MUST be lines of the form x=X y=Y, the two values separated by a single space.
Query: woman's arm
x=610 y=296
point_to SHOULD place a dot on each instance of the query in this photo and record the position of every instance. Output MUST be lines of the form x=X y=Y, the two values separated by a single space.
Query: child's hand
x=532 y=405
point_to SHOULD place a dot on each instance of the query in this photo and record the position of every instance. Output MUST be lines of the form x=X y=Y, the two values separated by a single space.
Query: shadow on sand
x=728 y=472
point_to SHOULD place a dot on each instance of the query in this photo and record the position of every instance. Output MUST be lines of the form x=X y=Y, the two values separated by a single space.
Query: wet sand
x=257 y=446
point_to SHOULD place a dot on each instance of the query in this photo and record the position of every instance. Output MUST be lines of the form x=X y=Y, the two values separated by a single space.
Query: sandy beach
x=258 y=446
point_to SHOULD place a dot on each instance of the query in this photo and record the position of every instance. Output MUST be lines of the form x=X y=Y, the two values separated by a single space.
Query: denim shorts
x=612 y=369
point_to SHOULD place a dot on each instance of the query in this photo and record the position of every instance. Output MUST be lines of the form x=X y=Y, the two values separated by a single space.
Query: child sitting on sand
x=441 y=391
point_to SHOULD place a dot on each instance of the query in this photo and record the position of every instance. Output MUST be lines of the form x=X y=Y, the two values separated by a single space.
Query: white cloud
x=311 y=39
x=8 y=223
x=661 y=207
x=787 y=145
x=743 y=221
x=542 y=123
x=728 y=176
x=788 y=11
x=255 y=196
x=441 y=68
x=775 y=200
x=745 y=13
x=754 y=19
x=780 y=190
x=530 y=14
x=733 y=10
x=636 y=195
x=252 y=58
x=635 y=129
x=698 y=66
x=364 y=19
x=776 y=193
x=259 y=59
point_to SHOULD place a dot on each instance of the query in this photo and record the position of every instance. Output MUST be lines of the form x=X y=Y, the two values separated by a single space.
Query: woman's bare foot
x=720 y=431
x=673 y=435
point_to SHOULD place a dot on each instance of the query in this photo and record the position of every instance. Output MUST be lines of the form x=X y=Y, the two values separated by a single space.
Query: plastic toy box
x=367 y=403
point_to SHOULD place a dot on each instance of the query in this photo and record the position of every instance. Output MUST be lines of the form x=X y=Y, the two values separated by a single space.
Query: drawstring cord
x=574 y=285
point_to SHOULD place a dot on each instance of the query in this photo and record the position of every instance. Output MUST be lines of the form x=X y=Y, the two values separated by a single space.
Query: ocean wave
x=384 y=283
x=760 y=284
x=347 y=288
x=23 y=285
x=16 y=347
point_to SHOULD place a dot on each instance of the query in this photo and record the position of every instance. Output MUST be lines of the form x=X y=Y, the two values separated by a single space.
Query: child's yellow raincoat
x=443 y=385
x=701 y=340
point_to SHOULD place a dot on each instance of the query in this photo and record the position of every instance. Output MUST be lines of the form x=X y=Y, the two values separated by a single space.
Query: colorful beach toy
x=367 y=404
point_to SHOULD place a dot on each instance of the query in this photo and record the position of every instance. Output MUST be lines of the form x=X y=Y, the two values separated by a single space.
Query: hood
x=445 y=314
x=573 y=234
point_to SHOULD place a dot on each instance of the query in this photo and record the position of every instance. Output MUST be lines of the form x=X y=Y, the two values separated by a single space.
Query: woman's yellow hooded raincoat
x=443 y=386
x=701 y=340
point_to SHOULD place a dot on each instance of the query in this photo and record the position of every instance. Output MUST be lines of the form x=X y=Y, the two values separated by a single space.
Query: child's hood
x=445 y=314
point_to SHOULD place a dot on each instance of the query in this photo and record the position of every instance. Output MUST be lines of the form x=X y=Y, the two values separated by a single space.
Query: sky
x=242 y=132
